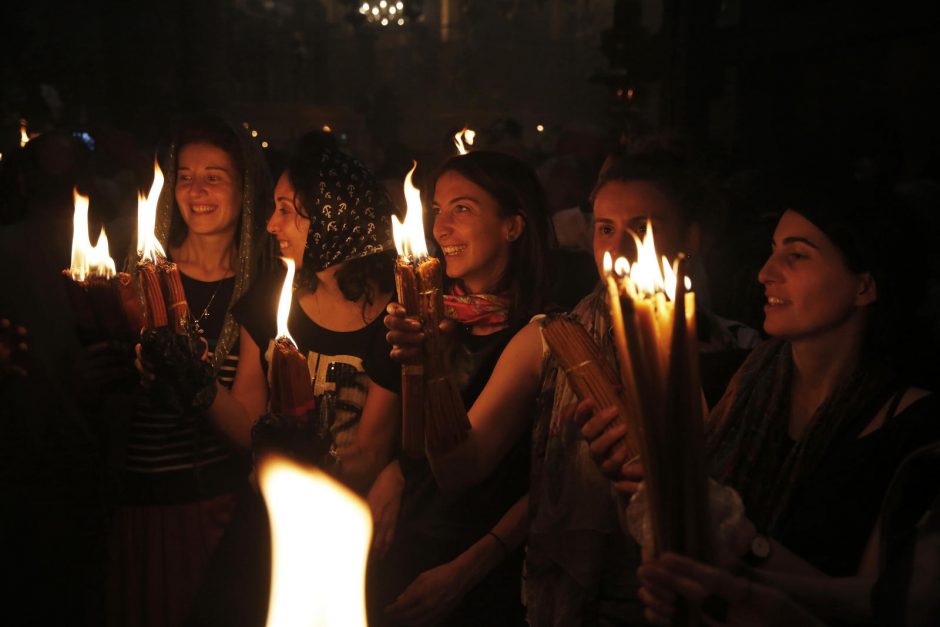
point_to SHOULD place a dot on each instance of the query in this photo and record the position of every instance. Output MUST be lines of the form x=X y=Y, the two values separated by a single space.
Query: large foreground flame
x=148 y=247
x=283 y=303
x=320 y=535
x=409 y=235
x=88 y=260
x=465 y=135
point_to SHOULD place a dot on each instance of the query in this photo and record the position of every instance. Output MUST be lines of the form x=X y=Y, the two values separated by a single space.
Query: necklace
x=205 y=312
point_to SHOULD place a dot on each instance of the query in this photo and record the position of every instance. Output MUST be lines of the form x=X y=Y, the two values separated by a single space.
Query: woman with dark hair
x=456 y=558
x=816 y=421
x=180 y=478
x=521 y=275
x=334 y=220
x=579 y=566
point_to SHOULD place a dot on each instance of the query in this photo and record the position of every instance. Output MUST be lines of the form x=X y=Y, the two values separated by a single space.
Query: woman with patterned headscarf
x=180 y=477
x=334 y=220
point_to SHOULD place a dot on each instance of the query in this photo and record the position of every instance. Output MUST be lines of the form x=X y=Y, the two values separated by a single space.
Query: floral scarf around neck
x=476 y=309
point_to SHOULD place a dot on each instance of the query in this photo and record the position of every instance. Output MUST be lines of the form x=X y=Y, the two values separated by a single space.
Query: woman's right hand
x=384 y=500
x=404 y=334
x=606 y=444
x=144 y=367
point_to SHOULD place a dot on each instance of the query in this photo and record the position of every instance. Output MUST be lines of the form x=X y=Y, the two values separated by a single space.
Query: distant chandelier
x=384 y=13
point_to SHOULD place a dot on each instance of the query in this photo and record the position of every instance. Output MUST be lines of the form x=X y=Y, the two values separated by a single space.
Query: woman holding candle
x=180 y=477
x=455 y=558
x=579 y=565
x=333 y=219
x=816 y=421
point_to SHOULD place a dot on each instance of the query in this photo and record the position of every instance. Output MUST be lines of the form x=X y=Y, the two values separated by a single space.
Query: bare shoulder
x=524 y=351
x=911 y=395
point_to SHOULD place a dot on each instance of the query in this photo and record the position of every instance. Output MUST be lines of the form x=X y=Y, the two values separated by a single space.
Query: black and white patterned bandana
x=350 y=215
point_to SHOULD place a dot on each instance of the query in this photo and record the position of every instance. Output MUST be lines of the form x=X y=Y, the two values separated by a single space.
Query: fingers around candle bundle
x=603 y=435
x=143 y=367
x=15 y=336
x=630 y=477
x=405 y=334
x=670 y=576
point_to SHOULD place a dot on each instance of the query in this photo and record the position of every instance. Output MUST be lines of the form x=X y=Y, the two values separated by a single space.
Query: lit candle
x=291 y=386
x=103 y=301
x=432 y=411
x=464 y=138
x=150 y=254
x=653 y=319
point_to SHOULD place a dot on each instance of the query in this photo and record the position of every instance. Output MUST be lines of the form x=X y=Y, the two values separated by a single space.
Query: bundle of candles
x=589 y=374
x=291 y=426
x=433 y=414
x=103 y=301
x=169 y=342
x=653 y=316
x=160 y=284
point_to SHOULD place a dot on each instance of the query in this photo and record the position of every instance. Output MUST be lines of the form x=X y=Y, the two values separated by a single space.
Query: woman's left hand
x=431 y=597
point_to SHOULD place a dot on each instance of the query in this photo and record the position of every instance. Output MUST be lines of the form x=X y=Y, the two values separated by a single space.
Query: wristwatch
x=758 y=552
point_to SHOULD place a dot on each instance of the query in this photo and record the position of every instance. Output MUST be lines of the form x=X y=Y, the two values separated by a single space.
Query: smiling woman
x=810 y=289
x=456 y=559
x=818 y=418
x=208 y=190
x=181 y=477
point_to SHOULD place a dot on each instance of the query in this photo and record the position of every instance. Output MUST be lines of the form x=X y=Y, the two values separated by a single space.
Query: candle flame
x=465 y=135
x=88 y=260
x=646 y=276
x=24 y=136
x=283 y=304
x=409 y=235
x=148 y=247
x=320 y=535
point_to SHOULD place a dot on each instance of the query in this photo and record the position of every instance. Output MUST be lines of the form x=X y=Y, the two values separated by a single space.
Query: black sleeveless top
x=435 y=527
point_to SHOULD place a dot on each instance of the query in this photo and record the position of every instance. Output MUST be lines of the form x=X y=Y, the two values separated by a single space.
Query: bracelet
x=500 y=542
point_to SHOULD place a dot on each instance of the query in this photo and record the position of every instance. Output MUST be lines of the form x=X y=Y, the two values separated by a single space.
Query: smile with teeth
x=453 y=250
x=202 y=208
x=283 y=243
x=774 y=301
